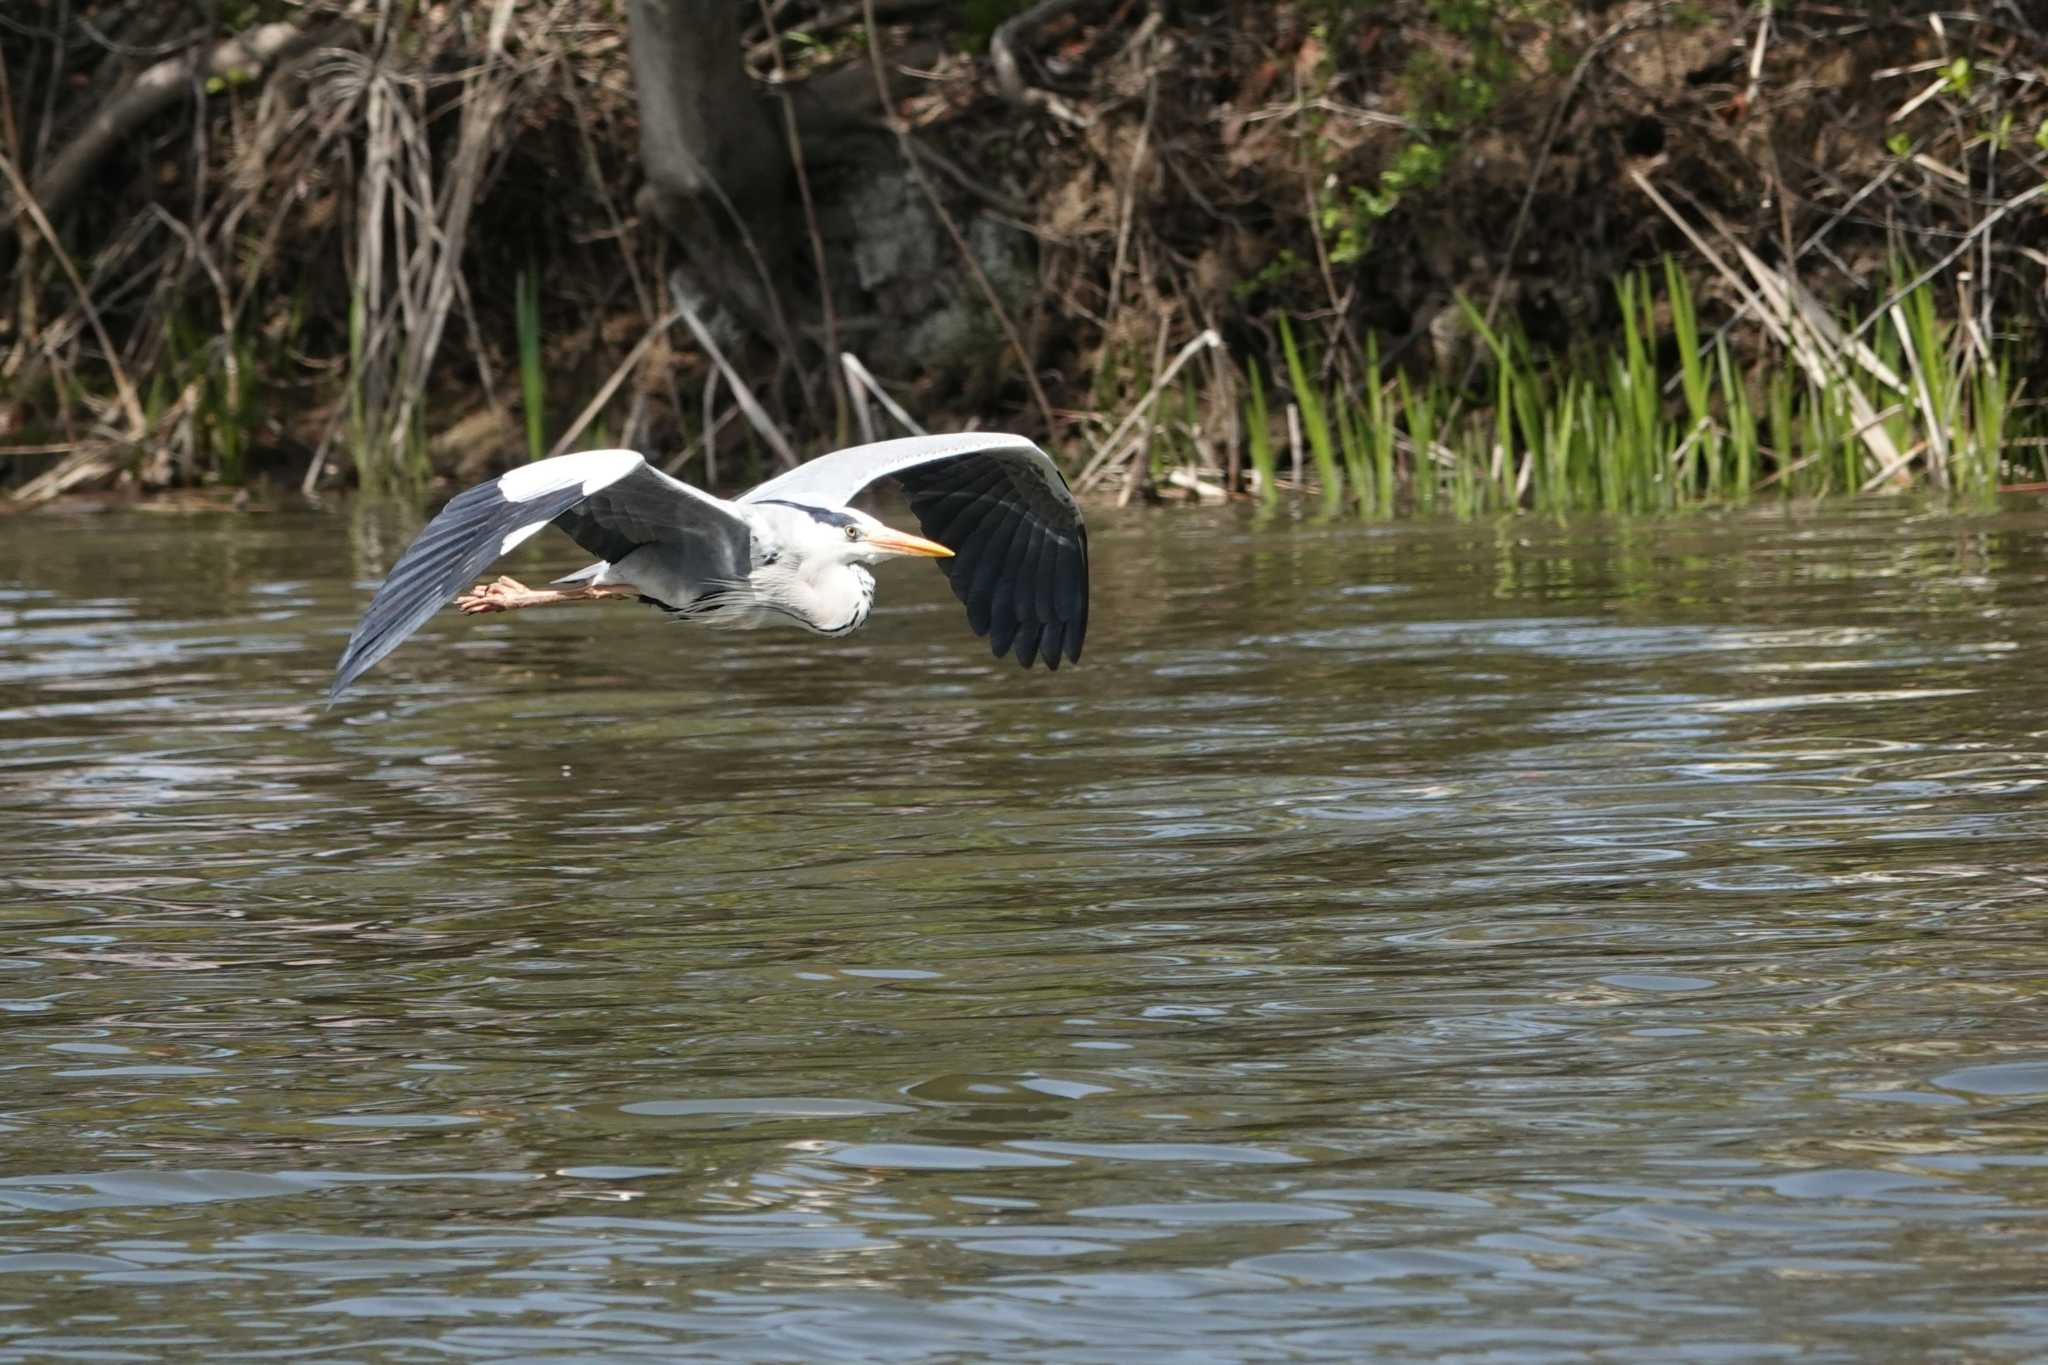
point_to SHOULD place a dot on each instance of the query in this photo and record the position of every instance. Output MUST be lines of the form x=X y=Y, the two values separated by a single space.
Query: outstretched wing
x=609 y=501
x=1020 y=549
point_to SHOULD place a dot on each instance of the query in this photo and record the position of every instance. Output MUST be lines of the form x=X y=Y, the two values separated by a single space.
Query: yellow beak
x=898 y=542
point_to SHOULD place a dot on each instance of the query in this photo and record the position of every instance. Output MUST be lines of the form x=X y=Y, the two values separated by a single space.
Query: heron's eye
x=853 y=533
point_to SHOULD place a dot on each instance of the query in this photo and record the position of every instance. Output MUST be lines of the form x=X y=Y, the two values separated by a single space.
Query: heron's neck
x=835 y=598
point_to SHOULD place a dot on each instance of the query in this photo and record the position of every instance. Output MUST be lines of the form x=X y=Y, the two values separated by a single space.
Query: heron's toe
x=485 y=597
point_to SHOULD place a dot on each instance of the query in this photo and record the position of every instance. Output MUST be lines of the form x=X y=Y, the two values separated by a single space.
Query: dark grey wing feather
x=1050 y=641
x=645 y=508
x=609 y=501
x=1047 y=609
x=1016 y=521
x=458 y=544
x=1020 y=547
x=995 y=572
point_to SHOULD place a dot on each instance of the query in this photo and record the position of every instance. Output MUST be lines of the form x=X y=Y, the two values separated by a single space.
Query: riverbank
x=1436 y=256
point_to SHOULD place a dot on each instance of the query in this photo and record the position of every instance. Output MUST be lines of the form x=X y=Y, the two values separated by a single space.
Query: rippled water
x=1502 y=942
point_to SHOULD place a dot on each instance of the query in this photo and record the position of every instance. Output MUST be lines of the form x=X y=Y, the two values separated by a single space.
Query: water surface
x=1500 y=941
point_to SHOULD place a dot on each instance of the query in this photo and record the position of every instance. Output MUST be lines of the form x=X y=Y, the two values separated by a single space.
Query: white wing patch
x=835 y=479
x=521 y=536
x=594 y=469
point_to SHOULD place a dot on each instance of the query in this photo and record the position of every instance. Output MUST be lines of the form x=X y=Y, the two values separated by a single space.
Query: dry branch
x=1002 y=51
x=757 y=416
x=131 y=406
x=1097 y=466
x=981 y=280
x=864 y=383
x=161 y=85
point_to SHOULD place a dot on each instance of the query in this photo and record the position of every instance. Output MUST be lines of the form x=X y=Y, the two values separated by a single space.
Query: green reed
x=532 y=392
x=1662 y=417
x=1315 y=425
x=1259 y=438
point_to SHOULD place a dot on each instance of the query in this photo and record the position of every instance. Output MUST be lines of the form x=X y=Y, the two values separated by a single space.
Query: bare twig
x=1312 y=214
x=603 y=190
x=1990 y=220
x=1819 y=353
x=1141 y=449
x=1756 y=55
x=1002 y=51
x=825 y=21
x=1092 y=473
x=863 y=420
x=711 y=427
x=757 y=416
x=1557 y=111
x=611 y=384
x=84 y=467
x=916 y=171
x=155 y=89
x=980 y=189
x=863 y=381
x=707 y=443
x=131 y=406
x=1130 y=204
x=803 y=186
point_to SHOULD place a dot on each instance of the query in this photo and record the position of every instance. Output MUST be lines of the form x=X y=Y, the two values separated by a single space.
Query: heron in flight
x=1001 y=525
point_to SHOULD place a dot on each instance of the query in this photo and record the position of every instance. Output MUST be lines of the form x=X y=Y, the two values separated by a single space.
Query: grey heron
x=1001 y=523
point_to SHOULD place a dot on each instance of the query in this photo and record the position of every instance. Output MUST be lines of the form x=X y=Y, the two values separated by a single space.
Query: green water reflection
x=1421 y=940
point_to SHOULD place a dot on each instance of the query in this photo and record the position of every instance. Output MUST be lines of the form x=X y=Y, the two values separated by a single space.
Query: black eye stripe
x=819 y=514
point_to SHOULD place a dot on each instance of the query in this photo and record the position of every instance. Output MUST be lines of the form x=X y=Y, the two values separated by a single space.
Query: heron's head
x=856 y=538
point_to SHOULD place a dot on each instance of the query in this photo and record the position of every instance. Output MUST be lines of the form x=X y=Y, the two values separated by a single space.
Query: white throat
x=807 y=573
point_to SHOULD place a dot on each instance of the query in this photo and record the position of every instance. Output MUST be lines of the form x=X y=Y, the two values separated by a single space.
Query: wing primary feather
x=1024 y=555
x=969 y=491
x=475 y=528
x=1002 y=626
x=1048 y=613
x=1034 y=573
x=1077 y=624
x=949 y=503
x=978 y=503
x=950 y=515
x=470 y=527
x=996 y=523
x=1069 y=585
x=992 y=560
x=1027 y=642
x=1049 y=644
x=1006 y=598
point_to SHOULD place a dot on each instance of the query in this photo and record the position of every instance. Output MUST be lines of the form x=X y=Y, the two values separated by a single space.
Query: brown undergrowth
x=300 y=267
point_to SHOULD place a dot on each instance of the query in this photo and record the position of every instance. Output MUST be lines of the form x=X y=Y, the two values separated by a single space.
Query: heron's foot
x=509 y=594
x=504 y=594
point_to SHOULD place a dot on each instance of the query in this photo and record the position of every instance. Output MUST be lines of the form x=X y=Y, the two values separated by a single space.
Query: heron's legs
x=509 y=594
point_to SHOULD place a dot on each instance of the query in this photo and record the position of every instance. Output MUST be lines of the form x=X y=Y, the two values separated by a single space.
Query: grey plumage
x=998 y=502
x=789 y=550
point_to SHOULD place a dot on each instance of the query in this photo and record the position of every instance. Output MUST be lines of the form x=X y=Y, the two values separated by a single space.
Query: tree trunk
x=718 y=172
x=719 y=178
